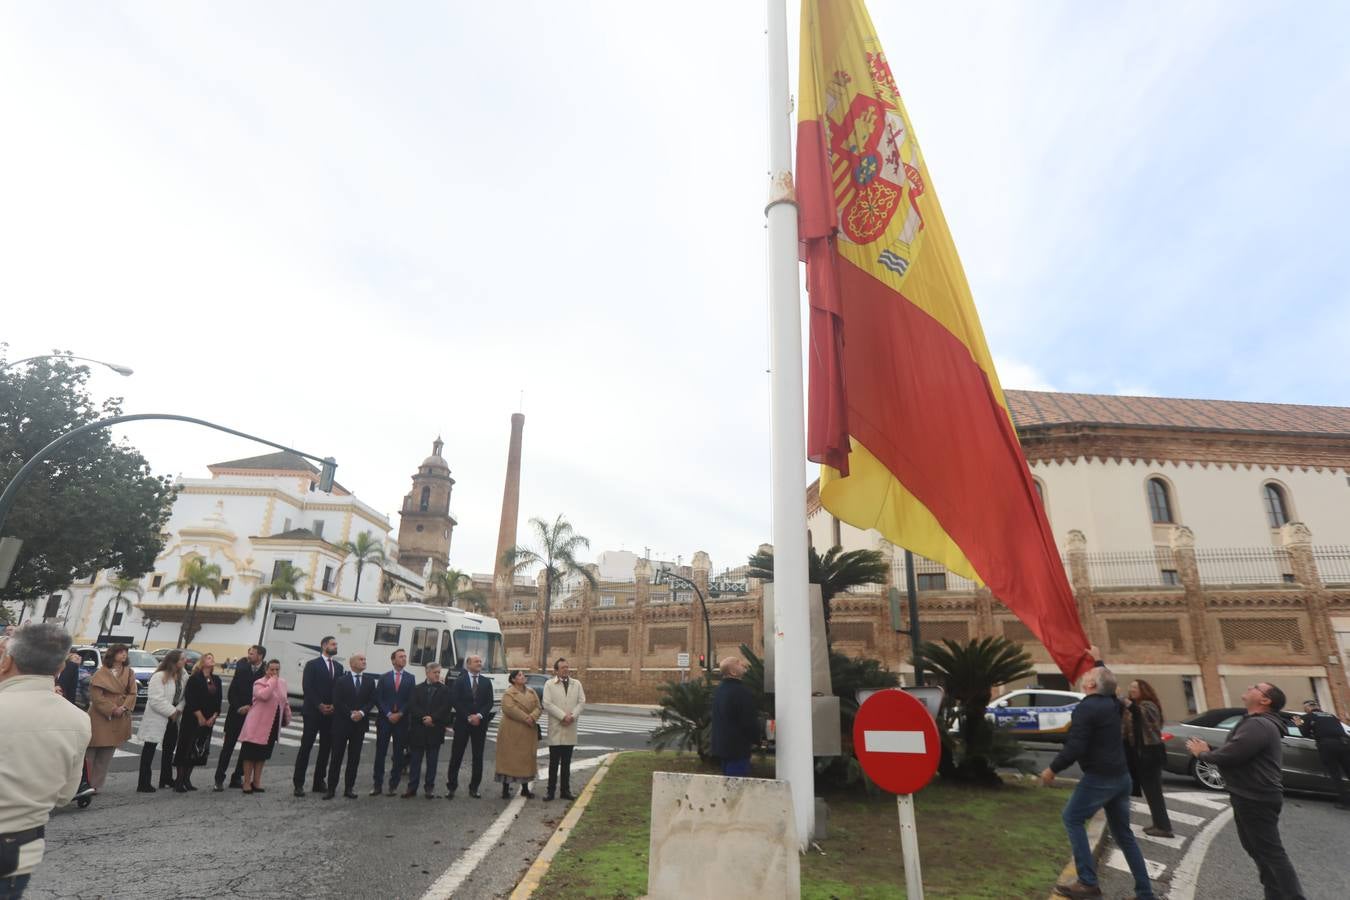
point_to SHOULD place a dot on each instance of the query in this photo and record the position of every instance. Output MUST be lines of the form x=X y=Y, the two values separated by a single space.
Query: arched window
x=1277 y=506
x=425 y=503
x=1159 y=502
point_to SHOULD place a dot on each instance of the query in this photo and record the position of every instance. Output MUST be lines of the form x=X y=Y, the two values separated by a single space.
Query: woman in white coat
x=159 y=724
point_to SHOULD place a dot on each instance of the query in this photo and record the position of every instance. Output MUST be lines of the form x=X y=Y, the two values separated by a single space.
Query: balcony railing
x=1333 y=563
x=1144 y=568
x=1251 y=565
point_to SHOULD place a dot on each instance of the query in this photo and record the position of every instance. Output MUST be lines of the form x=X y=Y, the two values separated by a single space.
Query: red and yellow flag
x=906 y=414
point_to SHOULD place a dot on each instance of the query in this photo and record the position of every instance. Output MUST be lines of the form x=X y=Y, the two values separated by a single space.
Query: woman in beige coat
x=112 y=699
x=518 y=737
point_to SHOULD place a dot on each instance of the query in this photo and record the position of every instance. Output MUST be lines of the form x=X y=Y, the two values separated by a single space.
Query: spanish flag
x=905 y=412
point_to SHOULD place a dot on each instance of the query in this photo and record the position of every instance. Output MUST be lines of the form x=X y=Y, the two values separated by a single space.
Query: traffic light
x=327 y=473
x=702 y=661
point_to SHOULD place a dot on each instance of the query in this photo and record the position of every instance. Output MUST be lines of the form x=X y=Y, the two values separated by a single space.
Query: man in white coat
x=564 y=701
x=42 y=747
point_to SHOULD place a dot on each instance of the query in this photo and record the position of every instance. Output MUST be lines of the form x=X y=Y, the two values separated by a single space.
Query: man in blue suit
x=393 y=694
x=321 y=673
x=471 y=696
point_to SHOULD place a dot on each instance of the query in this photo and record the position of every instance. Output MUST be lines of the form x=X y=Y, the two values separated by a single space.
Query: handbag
x=201 y=746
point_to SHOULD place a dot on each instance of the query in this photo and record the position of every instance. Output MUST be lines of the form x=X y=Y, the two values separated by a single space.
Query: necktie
x=328 y=662
x=473 y=683
x=564 y=685
x=398 y=679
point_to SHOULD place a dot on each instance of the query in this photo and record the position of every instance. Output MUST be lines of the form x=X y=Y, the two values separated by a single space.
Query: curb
x=1096 y=834
x=539 y=868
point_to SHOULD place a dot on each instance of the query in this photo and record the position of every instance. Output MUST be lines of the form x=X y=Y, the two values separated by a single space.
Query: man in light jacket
x=564 y=700
x=42 y=746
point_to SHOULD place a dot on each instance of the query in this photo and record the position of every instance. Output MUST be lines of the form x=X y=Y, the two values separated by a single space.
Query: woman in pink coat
x=270 y=711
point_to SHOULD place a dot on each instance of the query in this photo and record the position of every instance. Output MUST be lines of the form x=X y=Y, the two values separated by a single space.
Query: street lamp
x=120 y=370
x=707 y=622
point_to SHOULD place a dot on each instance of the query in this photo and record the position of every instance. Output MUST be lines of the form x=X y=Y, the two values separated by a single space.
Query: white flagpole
x=792 y=639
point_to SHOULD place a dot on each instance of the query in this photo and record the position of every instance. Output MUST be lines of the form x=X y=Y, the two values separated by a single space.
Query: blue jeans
x=433 y=755
x=736 y=768
x=1112 y=793
x=12 y=888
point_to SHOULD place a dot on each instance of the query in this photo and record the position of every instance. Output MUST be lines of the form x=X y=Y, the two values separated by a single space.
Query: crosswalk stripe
x=1117 y=861
x=1184 y=818
x=1216 y=802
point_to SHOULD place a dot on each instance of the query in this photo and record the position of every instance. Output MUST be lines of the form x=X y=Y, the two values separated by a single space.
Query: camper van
x=443 y=634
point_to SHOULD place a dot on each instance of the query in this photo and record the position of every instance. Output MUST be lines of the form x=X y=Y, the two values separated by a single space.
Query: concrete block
x=722 y=837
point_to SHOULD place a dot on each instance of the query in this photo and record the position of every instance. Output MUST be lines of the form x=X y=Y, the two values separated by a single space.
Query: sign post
x=897 y=744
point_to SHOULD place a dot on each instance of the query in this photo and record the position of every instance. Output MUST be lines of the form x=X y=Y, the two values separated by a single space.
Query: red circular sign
x=897 y=741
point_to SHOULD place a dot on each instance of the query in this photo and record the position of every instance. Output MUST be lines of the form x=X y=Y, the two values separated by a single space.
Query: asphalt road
x=204 y=844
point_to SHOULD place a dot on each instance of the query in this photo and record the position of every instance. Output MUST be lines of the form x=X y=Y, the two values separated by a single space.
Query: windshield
x=488 y=646
x=139 y=659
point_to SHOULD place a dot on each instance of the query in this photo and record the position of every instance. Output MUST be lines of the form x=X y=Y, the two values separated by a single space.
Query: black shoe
x=329 y=795
x=525 y=792
x=567 y=795
x=189 y=785
x=450 y=795
x=350 y=795
x=144 y=789
x=408 y=795
x=180 y=789
x=392 y=792
x=319 y=788
x=86 y=790
x=430 y=795
x=237 y=783
x=376 y=791
x=299 y=792
x=219 y=786
x=506 y=791
x=259 y=790
x=548 y=798
x=166 y=782
x=475 y=795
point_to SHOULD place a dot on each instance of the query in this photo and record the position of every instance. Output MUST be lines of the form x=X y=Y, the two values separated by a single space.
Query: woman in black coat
x=201 y=706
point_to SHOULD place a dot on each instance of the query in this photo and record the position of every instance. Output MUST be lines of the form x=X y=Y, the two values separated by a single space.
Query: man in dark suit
x=320 y=675
x=393 y=695
x=471 y=696
x=429 y=714
x=238 y=699
x=353 y=705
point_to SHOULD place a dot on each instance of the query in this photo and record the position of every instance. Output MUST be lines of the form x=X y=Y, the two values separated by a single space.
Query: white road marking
x=1187 y=872
x=894 y=742
x=1216 y=802
x=1117 y=861
x=1140 y=806
x=444 y=887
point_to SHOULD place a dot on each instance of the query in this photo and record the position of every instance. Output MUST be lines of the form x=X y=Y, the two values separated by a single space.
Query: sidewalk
x=630 y=709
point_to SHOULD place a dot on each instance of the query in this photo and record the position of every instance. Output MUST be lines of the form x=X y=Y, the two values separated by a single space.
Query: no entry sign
x=896 y=741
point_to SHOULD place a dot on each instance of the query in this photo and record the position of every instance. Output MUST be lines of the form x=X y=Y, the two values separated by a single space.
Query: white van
x=444 y=634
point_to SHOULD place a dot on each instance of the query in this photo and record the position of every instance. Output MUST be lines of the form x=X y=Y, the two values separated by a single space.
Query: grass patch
x=975 y=843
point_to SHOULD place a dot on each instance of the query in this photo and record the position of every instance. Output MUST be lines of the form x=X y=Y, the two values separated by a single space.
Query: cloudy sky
x=352 y=226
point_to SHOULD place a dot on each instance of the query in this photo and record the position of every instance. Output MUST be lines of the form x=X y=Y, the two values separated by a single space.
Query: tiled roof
x=282 y=460
x=295 y=534
x=1039 y=408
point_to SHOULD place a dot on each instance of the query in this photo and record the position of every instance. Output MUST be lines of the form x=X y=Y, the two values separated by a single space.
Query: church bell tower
x=425 y=523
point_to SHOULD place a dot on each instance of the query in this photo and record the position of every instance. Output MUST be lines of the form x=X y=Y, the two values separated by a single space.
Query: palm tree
x=366 y=550
x=686 y=717
x=836 y=572
x=456 y=587
x=557 y=553
x=285 y=584
x=197 y=575
x=123 y=586
x=968 y=674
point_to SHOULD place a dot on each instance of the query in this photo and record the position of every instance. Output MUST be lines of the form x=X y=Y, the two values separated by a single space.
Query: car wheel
x=1207 y=775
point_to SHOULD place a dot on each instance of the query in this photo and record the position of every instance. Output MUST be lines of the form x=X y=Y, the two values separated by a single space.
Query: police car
x=1034 y=713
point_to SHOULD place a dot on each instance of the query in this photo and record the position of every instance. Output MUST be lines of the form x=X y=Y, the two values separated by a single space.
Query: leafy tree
x=455 y=587
x=556 y=551
x=365 y=549
x=968 y=674
x=285 y=584
x=122 y=585
x=198 y=575
x=93 y=505
x=686 y=717
x=835 y=572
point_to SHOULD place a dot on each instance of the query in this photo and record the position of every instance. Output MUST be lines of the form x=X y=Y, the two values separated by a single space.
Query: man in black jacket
x=471 y=696
x=429 y=714
x=237 y=701
x=735 y=720
x=353 y=705
x=320 y=674
x=1249 y=762
x=1095 y=743
x=1333 y=747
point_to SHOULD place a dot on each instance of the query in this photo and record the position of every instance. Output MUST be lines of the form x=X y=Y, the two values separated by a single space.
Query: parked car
x=192 y=657
x=1302 y=768
x=536 y=683
x=91 y=657
x=1034 y=713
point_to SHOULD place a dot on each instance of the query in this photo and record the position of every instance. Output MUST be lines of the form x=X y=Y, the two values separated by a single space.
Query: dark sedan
x=1302 y=767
